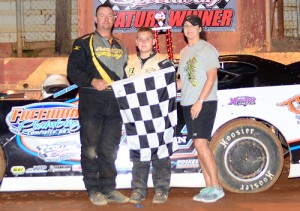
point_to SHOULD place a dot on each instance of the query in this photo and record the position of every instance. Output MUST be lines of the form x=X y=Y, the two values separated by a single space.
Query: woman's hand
x=196 y=108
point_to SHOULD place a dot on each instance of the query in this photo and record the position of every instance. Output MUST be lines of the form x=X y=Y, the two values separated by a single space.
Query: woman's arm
x=211 y=78
x=179 y=85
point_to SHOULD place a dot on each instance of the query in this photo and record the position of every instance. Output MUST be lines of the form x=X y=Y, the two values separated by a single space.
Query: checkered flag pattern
x=148 y=109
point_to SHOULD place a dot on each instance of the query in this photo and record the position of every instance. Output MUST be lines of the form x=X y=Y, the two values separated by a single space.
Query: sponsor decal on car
x=17 y=170
x=59 y=168
x=242 y=101
x=58 y=152
x=292 y=103
x=43 y=119
x=37 y=169
x=187 y=163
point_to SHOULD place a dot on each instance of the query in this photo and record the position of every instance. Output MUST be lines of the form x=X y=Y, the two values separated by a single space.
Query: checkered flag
x=148 y=109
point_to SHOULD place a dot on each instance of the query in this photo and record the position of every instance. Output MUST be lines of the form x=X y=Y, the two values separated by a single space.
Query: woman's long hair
x=203 y=34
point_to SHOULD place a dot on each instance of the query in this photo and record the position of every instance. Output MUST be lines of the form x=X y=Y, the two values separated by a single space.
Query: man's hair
x=106 y=5
x=146 y=29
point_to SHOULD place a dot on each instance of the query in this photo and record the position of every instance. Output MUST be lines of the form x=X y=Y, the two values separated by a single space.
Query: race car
x=257 y=124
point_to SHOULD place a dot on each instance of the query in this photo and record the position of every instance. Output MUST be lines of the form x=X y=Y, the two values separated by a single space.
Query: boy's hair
x=146 y=29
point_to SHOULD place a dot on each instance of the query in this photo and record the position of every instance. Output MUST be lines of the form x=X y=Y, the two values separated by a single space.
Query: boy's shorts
x=202 y=126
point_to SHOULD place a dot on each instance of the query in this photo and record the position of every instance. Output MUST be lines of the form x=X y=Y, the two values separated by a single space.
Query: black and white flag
x=148 y=109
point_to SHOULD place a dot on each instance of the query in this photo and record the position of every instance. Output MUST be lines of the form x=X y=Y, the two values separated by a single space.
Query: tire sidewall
x=225 y=138
x=2 y=164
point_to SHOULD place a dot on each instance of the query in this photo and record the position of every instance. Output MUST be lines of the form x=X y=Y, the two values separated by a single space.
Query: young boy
x=147 y=61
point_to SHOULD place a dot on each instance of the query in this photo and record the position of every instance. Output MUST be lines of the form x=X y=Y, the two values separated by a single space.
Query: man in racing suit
x=97 y=60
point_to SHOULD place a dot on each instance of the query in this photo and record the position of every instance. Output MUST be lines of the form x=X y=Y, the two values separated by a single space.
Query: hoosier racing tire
x=2 y=163
x=249 y=156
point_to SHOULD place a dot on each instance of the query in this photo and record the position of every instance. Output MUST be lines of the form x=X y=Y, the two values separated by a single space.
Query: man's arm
x=77 y=69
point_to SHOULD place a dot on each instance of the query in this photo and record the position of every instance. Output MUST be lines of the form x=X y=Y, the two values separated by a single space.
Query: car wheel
x=248 y=155
x=2 y=163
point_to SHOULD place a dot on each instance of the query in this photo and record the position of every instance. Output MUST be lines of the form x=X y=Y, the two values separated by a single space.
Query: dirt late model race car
x=257 y=124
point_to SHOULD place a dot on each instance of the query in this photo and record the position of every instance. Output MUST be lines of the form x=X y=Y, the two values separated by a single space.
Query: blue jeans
x=100 y=133
x=161 y=175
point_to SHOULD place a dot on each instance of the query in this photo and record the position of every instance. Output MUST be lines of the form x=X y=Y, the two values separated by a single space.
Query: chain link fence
x=291 y=18
x=38 y=20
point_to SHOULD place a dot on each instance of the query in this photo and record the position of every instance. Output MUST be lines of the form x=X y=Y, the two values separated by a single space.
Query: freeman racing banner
x=130 y=15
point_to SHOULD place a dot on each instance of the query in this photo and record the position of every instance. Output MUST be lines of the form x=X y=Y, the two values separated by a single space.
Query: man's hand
x=99 y=84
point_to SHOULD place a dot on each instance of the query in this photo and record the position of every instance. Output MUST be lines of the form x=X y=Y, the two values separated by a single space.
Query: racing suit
x=136 y=66
x=99 y=115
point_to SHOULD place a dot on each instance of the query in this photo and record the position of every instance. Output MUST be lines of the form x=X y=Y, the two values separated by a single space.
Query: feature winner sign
x=216 y=15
